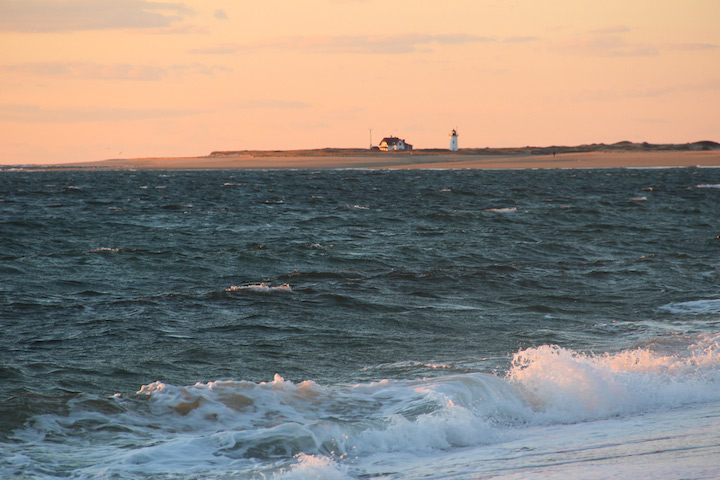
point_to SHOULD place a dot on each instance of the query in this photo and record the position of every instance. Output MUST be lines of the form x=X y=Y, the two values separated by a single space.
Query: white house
x=389 y=144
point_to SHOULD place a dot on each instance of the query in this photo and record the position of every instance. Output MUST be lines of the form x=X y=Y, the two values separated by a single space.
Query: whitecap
x=313 y=466
x=260 y=288
x=501 y=210
x=565 y=386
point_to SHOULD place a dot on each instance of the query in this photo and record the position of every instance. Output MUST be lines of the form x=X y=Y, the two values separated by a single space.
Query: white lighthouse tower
x=453 y=141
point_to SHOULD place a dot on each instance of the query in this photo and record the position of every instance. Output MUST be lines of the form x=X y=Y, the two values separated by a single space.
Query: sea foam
x=545 y=385
x=315 y=467
x=562 y=385
x=260 y=288
x=308 y=430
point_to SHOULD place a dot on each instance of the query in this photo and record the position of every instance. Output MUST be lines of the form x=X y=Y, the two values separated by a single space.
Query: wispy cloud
x=219 y=49
x=605 y=46
x=614 y=30
x=179 y=29
x=625 y=94
x=73 y=15
x=692 y=47
x=343 y=44
x=253 y=104
x=37 y=114
x=604 y=95
x=611 y=42
x=521 y=39
x=96 y=71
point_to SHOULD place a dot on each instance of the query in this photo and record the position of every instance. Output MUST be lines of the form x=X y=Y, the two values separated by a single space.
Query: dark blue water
x=113 y=280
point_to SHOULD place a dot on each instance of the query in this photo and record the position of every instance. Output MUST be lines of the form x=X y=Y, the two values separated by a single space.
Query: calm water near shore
x=360 y=324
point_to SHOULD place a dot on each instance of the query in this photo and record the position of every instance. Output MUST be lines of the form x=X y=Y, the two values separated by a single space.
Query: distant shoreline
x=553 y=149
x=619 y=155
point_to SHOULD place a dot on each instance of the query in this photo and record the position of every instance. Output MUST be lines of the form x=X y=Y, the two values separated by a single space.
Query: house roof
x=391 y=140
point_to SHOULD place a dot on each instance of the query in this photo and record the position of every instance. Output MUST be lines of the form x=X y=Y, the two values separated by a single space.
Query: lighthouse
x=453 y=141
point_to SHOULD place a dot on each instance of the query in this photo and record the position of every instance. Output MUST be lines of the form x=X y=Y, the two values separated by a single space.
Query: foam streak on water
x=257 y=325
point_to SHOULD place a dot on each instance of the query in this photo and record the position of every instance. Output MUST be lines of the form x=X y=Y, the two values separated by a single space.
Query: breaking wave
x=307 y=429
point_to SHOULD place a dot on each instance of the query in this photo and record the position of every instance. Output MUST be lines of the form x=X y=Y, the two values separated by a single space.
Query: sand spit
x=623 y=154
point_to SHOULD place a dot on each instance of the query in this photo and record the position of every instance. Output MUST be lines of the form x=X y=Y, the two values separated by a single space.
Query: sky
x=87 y=80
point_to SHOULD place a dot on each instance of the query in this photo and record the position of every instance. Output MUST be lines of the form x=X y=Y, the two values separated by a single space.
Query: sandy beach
x=418 y=160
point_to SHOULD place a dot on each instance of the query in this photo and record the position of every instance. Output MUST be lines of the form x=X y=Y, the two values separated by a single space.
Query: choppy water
x=360 y=324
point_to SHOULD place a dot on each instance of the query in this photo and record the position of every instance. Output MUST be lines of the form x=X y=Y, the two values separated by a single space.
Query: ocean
x=360 y=324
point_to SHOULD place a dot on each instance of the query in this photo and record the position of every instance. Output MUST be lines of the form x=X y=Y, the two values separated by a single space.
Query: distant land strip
x=616 y=155
x=624 y=146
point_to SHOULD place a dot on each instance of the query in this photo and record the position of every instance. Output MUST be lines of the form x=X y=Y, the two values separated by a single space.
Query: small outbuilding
x=391 y=144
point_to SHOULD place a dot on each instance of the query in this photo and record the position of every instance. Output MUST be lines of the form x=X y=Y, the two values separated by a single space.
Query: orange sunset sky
x=84 y=80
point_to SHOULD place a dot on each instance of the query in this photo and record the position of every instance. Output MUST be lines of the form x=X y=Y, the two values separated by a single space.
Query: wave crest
x=260 y=288
x=562 y=385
